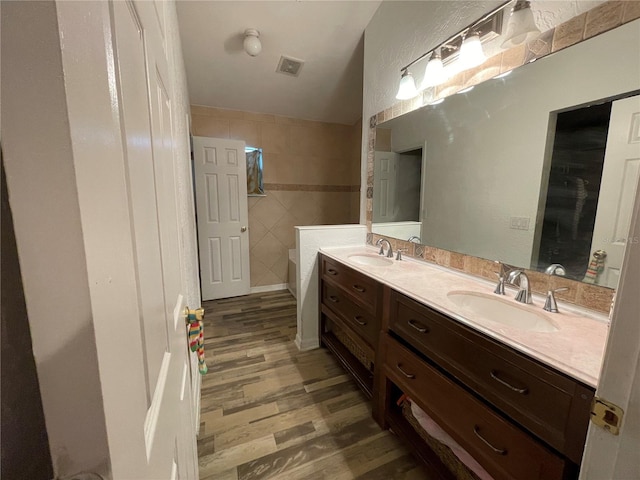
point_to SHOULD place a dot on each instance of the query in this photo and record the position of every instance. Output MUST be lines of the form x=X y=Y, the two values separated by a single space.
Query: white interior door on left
x=223 y=215
x=129 y=194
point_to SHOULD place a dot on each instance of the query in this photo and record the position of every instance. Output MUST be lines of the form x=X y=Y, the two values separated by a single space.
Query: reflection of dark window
x=574 y=185
x=254 y=171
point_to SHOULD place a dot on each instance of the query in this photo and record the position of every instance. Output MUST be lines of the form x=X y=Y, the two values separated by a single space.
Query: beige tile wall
x=311 y=176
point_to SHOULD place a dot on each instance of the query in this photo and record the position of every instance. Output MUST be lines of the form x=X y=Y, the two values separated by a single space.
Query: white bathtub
x=291 y=279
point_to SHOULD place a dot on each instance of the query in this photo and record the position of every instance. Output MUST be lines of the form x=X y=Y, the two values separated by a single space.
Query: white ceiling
x=326 y=35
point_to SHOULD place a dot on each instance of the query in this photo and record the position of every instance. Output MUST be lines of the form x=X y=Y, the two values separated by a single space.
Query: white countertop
x=576 y=348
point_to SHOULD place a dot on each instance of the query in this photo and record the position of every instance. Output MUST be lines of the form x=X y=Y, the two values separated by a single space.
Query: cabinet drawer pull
x=499 y=451
x=331 y=271
x=333 y=298
x=494 y=375
x=408 y=375
x=417 y=326
x=358 y=321
x=360 y=289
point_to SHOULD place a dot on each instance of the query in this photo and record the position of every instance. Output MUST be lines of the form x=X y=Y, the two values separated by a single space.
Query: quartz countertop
x=576 y=348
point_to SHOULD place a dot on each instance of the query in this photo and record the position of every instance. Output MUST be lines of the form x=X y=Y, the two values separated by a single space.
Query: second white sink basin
x=372 y=260
x=496 y=309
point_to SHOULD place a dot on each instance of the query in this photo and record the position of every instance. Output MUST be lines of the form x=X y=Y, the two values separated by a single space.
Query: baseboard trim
x=308 y=344
x=269 y=288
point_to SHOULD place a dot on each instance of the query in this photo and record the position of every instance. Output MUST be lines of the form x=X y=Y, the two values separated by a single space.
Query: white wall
x=485 y=150
x=49 y=183
x=44 y=200
x=308 y=241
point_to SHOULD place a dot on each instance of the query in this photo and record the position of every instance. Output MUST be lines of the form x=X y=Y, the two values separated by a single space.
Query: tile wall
x=311 y=176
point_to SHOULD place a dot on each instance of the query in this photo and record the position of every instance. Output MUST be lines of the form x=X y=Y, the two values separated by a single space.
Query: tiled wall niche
x=311 y=177
x=600 y=19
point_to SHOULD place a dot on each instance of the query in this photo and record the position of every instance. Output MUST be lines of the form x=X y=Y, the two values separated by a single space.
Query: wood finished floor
x=270 y=411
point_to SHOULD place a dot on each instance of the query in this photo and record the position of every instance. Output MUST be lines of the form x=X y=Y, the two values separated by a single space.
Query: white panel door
x=617 y=191
x=221 y=208
x=146 y=110
x=384 y=186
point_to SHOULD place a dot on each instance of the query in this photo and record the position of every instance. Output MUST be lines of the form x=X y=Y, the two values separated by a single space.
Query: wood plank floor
x=270 y=411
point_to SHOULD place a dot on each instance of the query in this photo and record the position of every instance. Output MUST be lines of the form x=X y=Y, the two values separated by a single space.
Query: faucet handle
x=499 y=290
x=399 y=253
x=550 y=304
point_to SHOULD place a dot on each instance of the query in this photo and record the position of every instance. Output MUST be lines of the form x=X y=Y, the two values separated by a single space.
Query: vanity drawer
x=504 y=450
x=363 y=323
x=550 y=405
x=362 y=288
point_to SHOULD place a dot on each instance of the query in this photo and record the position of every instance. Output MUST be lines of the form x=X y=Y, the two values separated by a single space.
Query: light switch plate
x=519 y=223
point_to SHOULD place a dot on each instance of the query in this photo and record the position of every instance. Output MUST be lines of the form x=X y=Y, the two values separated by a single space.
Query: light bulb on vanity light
x=434 y=73
x=407 y=88
x=471 y=53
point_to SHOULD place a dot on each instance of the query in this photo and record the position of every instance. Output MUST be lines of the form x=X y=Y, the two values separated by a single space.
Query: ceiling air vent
x=289 y=66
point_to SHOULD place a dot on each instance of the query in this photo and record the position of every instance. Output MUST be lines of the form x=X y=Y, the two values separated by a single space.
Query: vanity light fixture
x=434 y=73
x=521 y=26
x=468 y=45
x=252 y=44
x=407 y=88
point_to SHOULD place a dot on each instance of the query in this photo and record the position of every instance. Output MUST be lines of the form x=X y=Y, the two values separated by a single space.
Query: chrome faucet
x=520 y=279
x=555 y=269
x=550 y=304
x=414 y=238
x=389 y=251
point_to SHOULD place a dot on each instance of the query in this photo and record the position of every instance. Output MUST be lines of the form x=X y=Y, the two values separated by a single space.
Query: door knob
x=243 y=229
x=193 y=315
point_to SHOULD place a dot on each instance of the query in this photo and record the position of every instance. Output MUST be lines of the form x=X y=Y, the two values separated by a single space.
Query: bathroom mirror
x=509 y=171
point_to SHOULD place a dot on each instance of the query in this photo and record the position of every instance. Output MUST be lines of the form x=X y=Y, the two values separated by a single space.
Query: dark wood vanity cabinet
x=549 y=404
x=350 y=310
x=503 y=449
x=519 y=418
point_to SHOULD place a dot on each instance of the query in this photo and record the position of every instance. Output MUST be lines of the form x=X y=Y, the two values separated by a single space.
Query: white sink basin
x=372 y=260
x=492 y=307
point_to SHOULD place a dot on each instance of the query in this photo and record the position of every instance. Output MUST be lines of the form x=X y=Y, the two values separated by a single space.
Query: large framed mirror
x=535 y=168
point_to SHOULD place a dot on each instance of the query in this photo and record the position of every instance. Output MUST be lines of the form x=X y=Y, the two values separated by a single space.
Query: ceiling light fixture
x=521 y=26
x=252 y=44
x=407 y=88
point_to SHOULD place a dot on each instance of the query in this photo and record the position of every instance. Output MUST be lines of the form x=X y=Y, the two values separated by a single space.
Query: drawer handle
x=358 y=321
x=417 y=326
x=494 y=375
x=499 y=451
x=331 y=271
x=360 y=289
x=333 y=298
x=408 y=375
